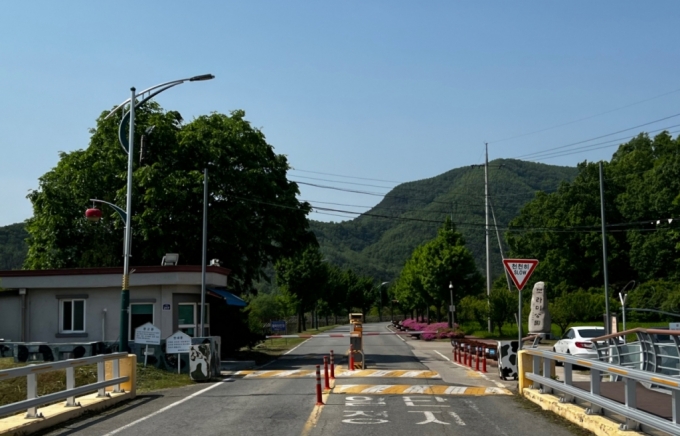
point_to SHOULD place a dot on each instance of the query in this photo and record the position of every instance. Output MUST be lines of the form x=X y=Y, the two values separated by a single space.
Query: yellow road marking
x=316 y=413
x=419 y=389
x=341 y=374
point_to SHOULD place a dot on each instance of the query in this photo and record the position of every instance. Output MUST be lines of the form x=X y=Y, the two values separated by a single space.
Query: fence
x=32 y=402
x=634 y=415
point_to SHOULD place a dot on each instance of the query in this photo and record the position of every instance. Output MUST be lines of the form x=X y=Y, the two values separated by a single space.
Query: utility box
x=507 y=359
x=199 y=362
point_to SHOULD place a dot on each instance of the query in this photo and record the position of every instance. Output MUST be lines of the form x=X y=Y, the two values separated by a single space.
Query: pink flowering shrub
x=439 y=330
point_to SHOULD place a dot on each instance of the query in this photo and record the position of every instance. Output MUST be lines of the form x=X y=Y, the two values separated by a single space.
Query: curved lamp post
x=128 y=123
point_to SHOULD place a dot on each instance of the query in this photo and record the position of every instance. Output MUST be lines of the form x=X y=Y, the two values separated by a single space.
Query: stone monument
x=539 y=317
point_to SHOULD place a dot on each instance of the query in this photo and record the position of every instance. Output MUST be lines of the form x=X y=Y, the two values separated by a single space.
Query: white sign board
x=148 y=334
x=674 y=325
x=520 y=270
x=179 y=342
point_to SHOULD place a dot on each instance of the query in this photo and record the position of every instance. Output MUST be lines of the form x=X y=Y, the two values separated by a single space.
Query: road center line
x=168 y=407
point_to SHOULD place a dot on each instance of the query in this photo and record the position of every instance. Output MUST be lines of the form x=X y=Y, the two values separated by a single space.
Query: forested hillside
x=13 y=247
x=379 y=242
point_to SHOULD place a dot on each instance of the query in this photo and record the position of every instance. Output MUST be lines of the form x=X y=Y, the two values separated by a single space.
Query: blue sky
x=389 y=90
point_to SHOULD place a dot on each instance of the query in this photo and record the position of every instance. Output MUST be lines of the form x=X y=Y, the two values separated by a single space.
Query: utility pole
x=486 y=230
x=607 y=321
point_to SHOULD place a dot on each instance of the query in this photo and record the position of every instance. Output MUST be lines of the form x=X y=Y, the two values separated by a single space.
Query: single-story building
x=83 y=305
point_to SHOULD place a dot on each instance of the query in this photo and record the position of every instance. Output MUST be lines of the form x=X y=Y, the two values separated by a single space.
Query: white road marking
x=399 y=336
x=499 y=384
x=168 y=407
x=455 y=390
x=416 y=389
x=375 y=389
x=295 y=348
x=412 y=373
x=287 y=373
x=457 y=418
x=380 y=373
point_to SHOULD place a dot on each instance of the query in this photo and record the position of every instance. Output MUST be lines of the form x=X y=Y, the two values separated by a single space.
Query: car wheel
x=557 y=362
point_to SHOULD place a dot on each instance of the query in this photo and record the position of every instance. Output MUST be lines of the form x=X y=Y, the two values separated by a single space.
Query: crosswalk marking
x=418 y=389
x=339 y=374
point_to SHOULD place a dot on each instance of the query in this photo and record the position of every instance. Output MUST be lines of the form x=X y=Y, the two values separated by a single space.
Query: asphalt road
x=405 y=391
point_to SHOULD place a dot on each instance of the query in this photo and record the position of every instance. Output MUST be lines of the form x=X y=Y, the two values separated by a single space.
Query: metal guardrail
x=31 y=371
x=633 y=416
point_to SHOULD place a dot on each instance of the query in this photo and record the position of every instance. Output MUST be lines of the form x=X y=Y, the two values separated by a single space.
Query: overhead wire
x=597 y=137
x=584 y=118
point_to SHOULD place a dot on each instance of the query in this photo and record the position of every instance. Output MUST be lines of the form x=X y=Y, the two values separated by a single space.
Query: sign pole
x=146 y=354
x=178 y=363
x=519 y=271
x=519 y=322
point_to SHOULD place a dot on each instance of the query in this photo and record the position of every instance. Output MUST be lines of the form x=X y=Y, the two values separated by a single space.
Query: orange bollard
x=455 y=356
x=319 y=400
x=476 y=358
x=332 y=366
x=327 y=385
x=351 y=358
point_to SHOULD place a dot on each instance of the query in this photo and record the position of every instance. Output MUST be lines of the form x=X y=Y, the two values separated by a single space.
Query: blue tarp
x=229 y=298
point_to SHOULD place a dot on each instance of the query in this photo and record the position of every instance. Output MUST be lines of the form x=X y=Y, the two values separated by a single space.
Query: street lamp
x=623 y=293
x=451 y=321
x=128 y=120
x=380 y=300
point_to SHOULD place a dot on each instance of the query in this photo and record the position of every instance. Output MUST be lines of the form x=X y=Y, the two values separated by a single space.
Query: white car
x=577 y=342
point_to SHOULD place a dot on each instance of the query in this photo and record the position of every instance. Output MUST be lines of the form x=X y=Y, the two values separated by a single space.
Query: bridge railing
x=33 y=401
x=537 y=366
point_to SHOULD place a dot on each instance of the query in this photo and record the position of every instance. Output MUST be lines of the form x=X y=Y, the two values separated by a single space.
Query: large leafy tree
x=562 y=229
x=303 y=277
x=254 y=216
x=426 y=276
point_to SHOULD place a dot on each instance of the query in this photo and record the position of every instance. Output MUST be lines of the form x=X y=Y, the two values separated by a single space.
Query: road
x=407 y=390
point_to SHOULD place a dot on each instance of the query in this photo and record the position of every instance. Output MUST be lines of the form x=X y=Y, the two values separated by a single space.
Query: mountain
x=13 y=247
x=378 y=242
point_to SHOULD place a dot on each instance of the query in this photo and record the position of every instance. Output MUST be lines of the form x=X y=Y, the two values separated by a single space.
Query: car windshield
x=590 y=333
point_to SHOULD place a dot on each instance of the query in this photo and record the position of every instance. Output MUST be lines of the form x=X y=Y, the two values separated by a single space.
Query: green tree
x=502 y=305
x=436 y=264
x=303 y=277
x=254 y=216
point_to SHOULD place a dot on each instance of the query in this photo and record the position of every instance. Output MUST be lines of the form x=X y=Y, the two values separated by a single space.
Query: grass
x=148 y=379
x=271 y=349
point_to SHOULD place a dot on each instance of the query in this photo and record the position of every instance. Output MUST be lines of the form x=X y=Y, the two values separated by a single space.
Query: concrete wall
x=101 y=304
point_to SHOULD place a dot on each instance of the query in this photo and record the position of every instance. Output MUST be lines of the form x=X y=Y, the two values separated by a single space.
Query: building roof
x=111 y=277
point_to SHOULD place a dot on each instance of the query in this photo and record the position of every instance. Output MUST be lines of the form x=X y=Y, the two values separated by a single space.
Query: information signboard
x=178 y=342
x=278 y=326
x=148 y=334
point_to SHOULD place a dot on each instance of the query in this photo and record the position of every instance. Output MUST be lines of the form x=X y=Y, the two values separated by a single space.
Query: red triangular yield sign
x=520 y=270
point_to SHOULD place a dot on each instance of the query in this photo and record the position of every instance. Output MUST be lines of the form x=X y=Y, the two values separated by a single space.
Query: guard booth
x=356 y=321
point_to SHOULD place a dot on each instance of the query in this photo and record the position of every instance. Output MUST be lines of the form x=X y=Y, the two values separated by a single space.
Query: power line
x=597 y=137
x=584 y=118
x=348 y=177
x=550 y=155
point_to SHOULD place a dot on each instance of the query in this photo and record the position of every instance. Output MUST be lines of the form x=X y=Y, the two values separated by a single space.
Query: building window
x=140 y=314
x=72 y=316
x=189 y=318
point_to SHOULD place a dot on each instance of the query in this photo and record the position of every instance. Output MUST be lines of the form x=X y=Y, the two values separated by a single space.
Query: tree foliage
x=254 y=216
x=425 y=278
